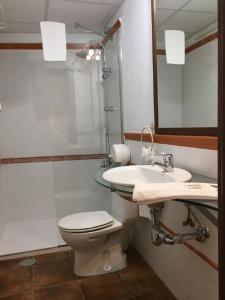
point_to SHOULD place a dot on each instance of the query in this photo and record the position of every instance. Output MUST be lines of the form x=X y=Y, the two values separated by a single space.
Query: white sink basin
x=130 y=175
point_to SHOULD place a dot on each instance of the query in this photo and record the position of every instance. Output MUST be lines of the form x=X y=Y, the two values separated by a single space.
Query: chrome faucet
x=168 y=162
x=167 y=158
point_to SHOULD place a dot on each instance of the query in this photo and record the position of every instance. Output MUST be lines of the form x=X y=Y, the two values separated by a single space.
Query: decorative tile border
x=70 y=46
x=203 y=142
x=208 y=260
x=37 y=159
x=36 y=46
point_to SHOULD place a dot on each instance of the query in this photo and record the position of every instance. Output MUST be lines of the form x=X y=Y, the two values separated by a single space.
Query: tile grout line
x=81 y=288
x=127 y=286
x=78 y=279
x=71 y=258
x=54 y=284
x=57 y=283
x=23 y=291
x=33 y=279
x=14 y=294
x=196 y=292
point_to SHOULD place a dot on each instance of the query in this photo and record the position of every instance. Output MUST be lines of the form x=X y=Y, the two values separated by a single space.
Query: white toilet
x=96 y=237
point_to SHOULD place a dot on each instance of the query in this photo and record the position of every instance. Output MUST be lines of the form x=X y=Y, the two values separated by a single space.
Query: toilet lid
x=86 y=221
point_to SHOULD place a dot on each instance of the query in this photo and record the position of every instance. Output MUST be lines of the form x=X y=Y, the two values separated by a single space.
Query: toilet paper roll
x=120 y=153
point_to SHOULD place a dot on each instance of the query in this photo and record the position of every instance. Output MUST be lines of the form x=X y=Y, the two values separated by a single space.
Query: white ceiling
x=191 y=16
x=24 y=16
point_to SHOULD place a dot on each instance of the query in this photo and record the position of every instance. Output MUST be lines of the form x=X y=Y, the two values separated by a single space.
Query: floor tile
x=14 y=278
x=22 y=296
x=139 y=276
x=54 y=279
x=109 y=286
x=66 y=291
x=53 y=268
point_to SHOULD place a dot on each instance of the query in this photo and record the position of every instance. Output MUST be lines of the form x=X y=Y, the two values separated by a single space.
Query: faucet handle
x=168 y=160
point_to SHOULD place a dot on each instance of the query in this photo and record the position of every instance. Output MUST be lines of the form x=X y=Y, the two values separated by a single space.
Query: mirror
x=186 y=95
x=175 y=47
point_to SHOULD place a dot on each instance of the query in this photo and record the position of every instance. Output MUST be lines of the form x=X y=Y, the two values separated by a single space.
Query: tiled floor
x=52 y=278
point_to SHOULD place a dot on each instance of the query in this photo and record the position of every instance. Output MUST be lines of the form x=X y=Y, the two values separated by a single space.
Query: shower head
x=94 y=45
x=85 y=51
x=90 y=54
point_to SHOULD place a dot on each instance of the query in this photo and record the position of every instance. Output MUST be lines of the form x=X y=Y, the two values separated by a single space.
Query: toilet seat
x=86 y=222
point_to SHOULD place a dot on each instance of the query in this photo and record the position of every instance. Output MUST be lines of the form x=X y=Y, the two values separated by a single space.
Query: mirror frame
x=197 y=131
x=221 y=149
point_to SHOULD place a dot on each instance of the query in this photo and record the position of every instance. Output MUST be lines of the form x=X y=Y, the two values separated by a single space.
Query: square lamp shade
x=53 y=41
x=175 y=47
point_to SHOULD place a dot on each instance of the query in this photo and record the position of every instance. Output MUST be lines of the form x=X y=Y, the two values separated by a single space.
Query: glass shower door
x=112 y=81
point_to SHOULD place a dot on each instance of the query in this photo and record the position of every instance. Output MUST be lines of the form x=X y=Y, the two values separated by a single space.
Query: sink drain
x=28 y=262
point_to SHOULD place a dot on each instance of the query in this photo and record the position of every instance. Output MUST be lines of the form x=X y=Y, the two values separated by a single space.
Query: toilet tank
x=123 y=210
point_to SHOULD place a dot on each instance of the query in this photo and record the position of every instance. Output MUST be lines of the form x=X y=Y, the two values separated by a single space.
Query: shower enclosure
x=55 y=121
x=113 y=93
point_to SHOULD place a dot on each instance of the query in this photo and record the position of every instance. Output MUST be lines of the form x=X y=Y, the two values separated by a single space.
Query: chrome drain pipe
x=159 y=236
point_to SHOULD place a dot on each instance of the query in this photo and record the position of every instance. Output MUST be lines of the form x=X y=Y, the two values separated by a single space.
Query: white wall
x=170 y=93
x=48 y=109
x=187 y=94
x=186 y=274
x=39 y=194
x=136 y=45
x=200 y=87
x=112 y=88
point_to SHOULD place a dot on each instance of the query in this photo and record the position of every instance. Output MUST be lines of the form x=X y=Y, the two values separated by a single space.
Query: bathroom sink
x=130 y=175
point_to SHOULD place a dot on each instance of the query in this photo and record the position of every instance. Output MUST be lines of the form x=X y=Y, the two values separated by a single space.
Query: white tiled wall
x=200 y=161
x=113 y=90
x=186 y=274
x=169 y=94
x=181 y=101
x=75 y=189
x=29 y=190
x=47 y=109
x=137 y=75
x=38 y=194
x=196 y=74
